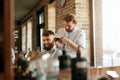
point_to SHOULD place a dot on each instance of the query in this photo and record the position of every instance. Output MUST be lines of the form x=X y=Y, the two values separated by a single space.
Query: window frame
x=40 y=29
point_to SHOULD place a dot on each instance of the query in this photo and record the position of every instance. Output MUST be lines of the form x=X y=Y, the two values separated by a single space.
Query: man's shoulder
x=58 y=51
x=78 y=29
x=61 y=29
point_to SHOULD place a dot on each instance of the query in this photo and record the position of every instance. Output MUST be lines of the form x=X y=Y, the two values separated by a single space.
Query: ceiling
x=22 y=7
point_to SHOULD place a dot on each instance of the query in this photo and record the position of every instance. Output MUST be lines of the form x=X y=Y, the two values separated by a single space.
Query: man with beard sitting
x=46 y=62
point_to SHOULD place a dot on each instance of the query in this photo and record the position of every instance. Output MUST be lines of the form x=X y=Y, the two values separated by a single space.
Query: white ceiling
x=22 y=7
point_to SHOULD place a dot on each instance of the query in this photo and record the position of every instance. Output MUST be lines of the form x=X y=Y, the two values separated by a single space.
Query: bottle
x=79 y=67
x=51 y=65
x=64 y=60
x=52 y=70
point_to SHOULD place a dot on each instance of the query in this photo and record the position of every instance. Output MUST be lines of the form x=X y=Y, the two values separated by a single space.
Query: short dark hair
x=70 y=17
x=48 y=32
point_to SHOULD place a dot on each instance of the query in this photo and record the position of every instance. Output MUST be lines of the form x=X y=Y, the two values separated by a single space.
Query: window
x=106 y=32
x=40 y=28
x=111 y=33
x=29 y=36
x=24 y=38
x=41 y=22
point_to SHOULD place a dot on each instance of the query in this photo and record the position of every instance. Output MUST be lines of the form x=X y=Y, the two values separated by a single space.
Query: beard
x=68 y=30
x=48 y=48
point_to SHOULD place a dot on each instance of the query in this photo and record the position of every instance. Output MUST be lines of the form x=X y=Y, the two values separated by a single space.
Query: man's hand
x=63 y=40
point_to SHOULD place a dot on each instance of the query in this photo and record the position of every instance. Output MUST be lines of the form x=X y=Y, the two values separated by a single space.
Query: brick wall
x=52 y=16
x=69 y=7
x=82 y=12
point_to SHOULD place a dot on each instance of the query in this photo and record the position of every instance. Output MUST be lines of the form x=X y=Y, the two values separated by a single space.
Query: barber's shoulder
x=61 y=29
x=81 y=30
x=78 y=29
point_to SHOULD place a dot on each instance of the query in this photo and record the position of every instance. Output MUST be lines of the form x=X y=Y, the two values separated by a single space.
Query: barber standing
x=71 y=35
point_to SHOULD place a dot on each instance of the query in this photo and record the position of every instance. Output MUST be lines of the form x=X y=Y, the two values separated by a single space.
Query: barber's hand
x=63 y=40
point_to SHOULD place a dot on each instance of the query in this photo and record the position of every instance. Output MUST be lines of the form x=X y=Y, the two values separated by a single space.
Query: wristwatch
x=62 y=3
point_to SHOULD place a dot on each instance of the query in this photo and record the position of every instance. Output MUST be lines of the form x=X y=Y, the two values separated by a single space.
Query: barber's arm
x=64 y=40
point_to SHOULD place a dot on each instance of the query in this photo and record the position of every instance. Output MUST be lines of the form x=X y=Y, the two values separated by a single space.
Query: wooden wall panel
x=8 y=24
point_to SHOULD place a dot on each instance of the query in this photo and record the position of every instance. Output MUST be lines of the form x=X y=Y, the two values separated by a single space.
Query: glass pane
x=41 y=18
x=24 y=38
x=29 y=36
x=111 y=33
x=41 y=32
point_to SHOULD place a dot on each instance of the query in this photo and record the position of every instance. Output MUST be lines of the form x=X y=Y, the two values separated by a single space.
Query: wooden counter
x=92 y=74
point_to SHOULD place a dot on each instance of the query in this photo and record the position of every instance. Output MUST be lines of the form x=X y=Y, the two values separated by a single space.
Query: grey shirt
x=77 y=36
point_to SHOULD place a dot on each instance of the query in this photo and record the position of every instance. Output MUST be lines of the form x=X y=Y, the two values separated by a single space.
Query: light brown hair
x=70 y=17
